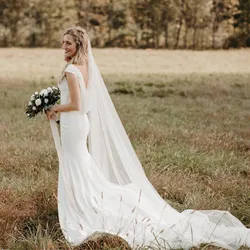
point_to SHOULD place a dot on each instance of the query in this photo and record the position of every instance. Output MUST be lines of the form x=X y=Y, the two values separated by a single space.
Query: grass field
x=187 y=115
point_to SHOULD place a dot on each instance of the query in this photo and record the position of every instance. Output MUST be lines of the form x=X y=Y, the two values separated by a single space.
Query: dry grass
x=190 y=131
x=40 y=64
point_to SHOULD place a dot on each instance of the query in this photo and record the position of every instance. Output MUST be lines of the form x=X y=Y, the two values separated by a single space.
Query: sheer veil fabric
x=103 y=187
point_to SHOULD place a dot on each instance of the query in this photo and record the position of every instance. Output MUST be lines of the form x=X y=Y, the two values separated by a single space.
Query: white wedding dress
x=89 y=201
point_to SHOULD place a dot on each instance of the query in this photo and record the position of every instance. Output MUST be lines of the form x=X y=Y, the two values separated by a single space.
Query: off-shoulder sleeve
x=71 y=69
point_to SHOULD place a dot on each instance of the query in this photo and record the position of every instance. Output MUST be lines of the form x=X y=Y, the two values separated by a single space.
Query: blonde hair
x=81 y=38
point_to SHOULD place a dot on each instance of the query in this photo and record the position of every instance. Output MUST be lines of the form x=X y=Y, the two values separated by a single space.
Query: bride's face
x=69 y=46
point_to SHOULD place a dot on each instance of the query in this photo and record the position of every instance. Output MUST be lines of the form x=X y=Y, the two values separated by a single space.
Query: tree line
x=174 y=24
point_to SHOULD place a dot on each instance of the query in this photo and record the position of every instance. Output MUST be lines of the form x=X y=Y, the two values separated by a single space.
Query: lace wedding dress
x=103 y=188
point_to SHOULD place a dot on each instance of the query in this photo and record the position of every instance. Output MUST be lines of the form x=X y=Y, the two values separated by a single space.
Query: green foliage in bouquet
x=42 y=101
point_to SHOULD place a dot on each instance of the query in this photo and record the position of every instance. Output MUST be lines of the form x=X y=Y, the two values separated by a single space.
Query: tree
x=46 y=21
x=12 y=15
x=149 y=21
x=242 y=23
x=116 y=19
x=167 y=17
x=188 y=24
x=222 y=10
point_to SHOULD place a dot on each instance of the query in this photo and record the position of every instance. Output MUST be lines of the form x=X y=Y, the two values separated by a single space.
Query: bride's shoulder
x=71 y=69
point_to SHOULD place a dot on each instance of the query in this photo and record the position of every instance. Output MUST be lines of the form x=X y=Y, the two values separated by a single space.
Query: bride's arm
x=74 y=90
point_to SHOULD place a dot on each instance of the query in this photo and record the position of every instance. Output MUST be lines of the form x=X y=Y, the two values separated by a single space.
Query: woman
x=103 y=187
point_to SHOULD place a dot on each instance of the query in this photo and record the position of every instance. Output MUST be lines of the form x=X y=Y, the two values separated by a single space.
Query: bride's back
x=84 y=71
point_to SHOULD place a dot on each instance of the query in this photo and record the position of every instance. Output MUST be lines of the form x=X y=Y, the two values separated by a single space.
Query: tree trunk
x=215 y=23
x=215 y=27
x=178 y=33
x=166 y=36
x=194 y=37
x=248 y=19
x=185 y=36
x=156 y=34
x=165 y=26
x=110 y=21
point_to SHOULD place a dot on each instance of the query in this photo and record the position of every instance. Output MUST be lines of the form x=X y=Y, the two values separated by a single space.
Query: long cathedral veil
x=110 y=146
x=108 y=141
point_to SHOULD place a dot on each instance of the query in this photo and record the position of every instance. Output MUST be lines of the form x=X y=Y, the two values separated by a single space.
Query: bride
x=102 y=186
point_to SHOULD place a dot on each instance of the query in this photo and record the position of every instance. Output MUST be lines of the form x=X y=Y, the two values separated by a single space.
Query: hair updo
x=81 y=38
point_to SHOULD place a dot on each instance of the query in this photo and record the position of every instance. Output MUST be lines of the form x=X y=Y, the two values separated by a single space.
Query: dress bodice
x=64 y=88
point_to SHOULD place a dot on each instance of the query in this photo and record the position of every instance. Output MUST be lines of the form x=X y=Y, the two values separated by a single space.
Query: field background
x=187 y=114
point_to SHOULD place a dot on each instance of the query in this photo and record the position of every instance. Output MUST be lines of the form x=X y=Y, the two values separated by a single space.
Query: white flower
x=46 y=100
x=30 y=103
x=28 y=115
x=32 y=98
x=54 y=88
x=34 y=107
x=36 y=93
x=44 y=92
x=38 y=102
x=50 y=90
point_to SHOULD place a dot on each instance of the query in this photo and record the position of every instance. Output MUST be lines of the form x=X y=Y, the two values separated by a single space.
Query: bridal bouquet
x=42 y=101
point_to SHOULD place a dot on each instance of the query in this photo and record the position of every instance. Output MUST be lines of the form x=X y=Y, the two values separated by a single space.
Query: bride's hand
x=50 y=113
